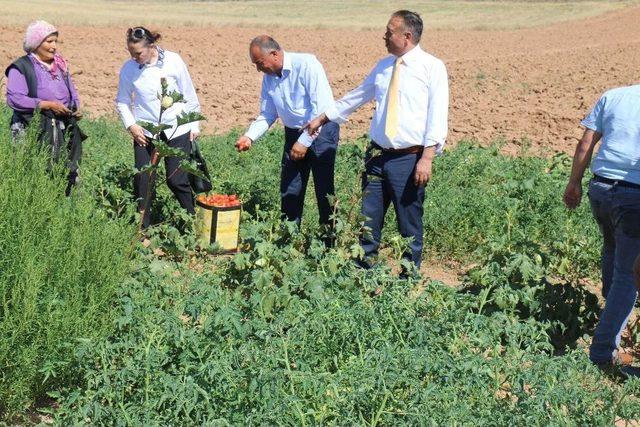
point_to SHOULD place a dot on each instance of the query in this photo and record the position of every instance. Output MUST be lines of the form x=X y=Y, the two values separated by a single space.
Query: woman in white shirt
x=137 y=100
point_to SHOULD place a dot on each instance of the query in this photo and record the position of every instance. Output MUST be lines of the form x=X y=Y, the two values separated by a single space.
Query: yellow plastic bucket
x=219 y=225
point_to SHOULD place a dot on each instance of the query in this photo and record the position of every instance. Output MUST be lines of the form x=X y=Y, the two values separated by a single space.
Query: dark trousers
x=389 y=178
x=177 y=180
x=617 y=210
x=320 y=160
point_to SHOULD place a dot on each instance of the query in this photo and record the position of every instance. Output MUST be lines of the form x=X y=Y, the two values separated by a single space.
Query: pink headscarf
x=36 y=33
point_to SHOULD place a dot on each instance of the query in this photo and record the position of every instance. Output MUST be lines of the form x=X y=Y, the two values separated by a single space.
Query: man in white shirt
x=408 y=129
x=295 y=88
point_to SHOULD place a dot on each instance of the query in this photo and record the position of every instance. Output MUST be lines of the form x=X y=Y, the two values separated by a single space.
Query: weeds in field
x=61 y=262
x=289 y=332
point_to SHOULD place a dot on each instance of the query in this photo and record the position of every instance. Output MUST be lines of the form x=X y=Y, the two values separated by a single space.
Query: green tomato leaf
x=191 y=167
x=193 y=116
x=176 y=96
x=165 y=151
x=153 y=129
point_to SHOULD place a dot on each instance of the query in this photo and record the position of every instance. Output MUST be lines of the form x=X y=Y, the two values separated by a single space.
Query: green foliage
x=516 y=278
x=478 y=196
x=154 y=129
x=192 y=116
x=254 y=175
x=61 y=262
x=164 y=150
x=288 y=332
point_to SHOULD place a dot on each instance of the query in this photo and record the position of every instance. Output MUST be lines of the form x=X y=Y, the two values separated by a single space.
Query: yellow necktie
x=391 y=122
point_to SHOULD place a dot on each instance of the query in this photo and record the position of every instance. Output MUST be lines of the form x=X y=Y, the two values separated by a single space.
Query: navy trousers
x=294 y=175
x=389 y=178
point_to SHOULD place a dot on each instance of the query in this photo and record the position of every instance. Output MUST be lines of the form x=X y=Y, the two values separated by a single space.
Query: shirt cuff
x=258 y=128
x=252 y=135
x=431 y=143
x=128 y=122
x=306 y=139
x=334 y=116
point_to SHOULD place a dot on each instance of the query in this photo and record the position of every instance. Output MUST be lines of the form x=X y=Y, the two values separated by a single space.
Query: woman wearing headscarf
x=137 y=100
x=40 y=82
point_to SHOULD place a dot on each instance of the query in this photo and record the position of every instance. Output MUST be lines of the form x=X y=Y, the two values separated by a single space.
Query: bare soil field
x=524 y=86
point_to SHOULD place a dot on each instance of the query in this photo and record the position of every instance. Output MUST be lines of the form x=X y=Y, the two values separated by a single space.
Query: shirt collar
x=286 y=63
x=158 y=63
x=412 y=55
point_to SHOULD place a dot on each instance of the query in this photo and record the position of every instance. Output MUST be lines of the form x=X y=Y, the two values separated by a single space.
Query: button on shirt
x=297 y=97
x=139 y=87
x=617 y=117
x=423 y=101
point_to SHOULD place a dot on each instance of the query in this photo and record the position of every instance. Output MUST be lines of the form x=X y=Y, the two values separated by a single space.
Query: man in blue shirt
x=295 y=88
x=614 y=193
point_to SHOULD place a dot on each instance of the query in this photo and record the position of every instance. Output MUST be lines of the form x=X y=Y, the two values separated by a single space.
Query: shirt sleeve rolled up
x=594 y=120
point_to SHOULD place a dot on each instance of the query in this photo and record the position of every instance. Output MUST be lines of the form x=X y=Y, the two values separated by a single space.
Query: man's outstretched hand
x=243 y=143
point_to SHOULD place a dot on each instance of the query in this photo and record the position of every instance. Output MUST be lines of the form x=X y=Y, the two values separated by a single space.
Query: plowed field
x=524 y=86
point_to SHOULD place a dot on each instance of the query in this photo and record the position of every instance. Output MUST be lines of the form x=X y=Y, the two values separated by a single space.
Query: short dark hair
x=412 y=23
x=265 y=43
x=138 y=34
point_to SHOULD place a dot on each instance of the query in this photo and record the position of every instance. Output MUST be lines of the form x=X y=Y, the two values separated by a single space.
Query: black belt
x=618 y=182
x=414 y=149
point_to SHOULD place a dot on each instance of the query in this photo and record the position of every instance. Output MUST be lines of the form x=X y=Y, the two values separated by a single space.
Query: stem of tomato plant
x=155 y=159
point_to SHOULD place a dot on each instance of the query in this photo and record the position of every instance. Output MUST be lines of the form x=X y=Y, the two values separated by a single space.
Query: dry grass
x=360 y=14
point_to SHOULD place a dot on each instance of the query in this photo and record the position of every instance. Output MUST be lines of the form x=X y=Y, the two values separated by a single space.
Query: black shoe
x=627 y=371
x=410 y=272
x=621 y=372
x=362 y=263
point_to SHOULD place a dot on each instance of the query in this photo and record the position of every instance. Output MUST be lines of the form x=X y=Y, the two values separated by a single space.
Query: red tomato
x=219 y=200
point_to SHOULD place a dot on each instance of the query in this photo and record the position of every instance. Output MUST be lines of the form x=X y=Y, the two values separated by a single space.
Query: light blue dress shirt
x=301 y=94
x=617 y=117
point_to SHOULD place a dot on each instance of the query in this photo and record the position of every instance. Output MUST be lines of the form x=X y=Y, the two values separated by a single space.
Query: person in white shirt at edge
x=137 y=99
x=295 y=88
x=408 y=129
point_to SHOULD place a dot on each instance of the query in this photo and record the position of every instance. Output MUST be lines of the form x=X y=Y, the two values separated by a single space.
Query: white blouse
x=139 y=87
